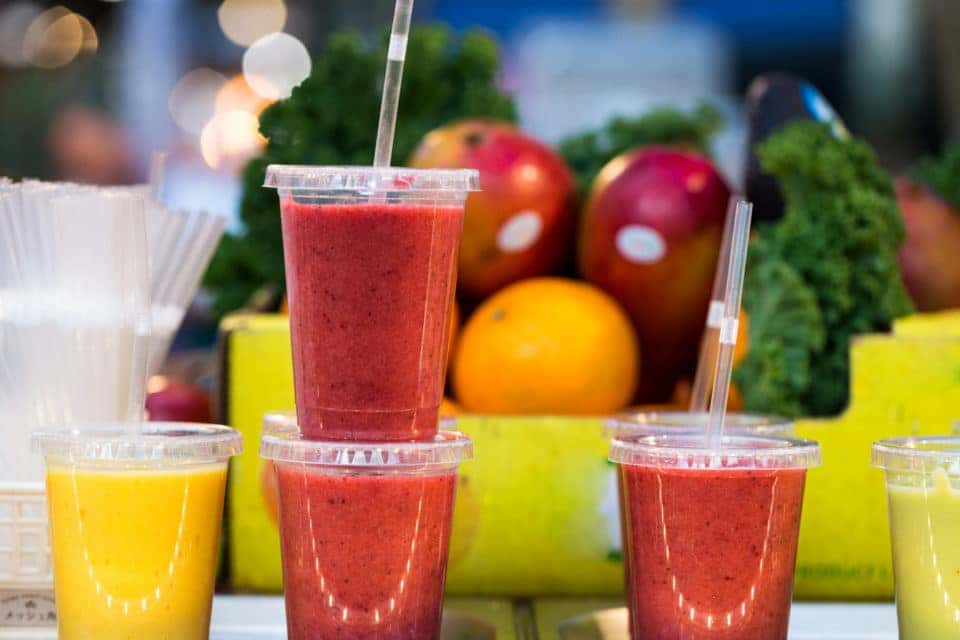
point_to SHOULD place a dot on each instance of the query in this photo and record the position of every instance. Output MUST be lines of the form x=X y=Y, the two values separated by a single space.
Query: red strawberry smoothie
x=711 y=552
x=364 y=556
x=370 y=288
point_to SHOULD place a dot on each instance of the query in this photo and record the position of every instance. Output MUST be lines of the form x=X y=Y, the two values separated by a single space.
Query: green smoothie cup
x=923 y=493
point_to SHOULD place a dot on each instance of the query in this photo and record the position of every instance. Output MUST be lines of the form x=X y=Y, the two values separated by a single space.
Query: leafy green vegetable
x=826 y=272
x=332 y=119
x=941 y=174
x=587 y=153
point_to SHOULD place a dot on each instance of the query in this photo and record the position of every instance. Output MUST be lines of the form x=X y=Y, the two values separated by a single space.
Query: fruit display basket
x=537 y=510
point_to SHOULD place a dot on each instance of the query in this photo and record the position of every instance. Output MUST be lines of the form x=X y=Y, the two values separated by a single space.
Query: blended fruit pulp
x=370 y=288
x=135 y=552
x=711 y=552
x=364 y=556
x=925 y=532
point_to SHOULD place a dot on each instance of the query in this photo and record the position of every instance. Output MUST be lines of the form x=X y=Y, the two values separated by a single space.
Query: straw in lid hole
x=283 y=442
x=371 y=179
x=918 y=454
x=160 y=443
x=737 y=452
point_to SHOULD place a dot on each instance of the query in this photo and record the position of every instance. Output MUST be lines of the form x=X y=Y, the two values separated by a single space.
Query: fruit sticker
x=640 y=244
x=520 y=232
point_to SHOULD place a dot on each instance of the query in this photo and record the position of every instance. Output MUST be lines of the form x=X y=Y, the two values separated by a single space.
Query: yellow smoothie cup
x=923 y=492
x=135 y=527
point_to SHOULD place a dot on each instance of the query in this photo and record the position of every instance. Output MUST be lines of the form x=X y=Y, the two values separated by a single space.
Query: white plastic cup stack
x=74 y=312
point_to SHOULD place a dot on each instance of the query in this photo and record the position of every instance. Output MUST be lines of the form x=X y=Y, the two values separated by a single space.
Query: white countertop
x=262 y=618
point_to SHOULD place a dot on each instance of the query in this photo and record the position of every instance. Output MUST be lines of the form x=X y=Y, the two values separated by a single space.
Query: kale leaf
x=942 y=174
x=331 y=119
x=825 y=273
x=587 y=153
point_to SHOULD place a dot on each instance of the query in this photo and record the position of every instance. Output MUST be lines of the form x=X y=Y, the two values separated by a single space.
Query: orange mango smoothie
x=135 y=550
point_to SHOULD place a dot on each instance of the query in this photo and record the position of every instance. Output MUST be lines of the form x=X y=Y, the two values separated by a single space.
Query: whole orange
x=454 y=330
x=547 y=346
x=743 y=338
x=449 y=408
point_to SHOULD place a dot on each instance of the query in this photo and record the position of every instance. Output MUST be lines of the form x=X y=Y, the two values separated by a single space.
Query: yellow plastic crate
x=537 y=509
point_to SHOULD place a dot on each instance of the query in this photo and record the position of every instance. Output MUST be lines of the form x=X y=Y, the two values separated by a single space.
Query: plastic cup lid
x=688 y=451
x=283 y=442
x=654 y=422
x=371 y=179
x=919 y=454
x=157 y=442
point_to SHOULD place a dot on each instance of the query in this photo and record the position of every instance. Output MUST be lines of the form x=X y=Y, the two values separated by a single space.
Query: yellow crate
x=537 y=509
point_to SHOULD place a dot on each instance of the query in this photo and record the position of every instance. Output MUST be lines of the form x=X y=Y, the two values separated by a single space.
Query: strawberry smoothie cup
x=646 y=423
x=371 y=261
x=711 y=535
x=365 y=531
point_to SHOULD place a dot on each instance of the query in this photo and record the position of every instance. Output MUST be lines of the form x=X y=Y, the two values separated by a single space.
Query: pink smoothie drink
x=711 y=539
x=370 y=257
x=365 y=531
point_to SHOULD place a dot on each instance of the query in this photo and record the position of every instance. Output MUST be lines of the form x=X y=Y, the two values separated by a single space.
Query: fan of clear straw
x=74 y=312
x=181 y=244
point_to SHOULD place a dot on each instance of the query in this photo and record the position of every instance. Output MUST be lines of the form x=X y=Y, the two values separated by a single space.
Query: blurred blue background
x=95 y=111
x=90 y=88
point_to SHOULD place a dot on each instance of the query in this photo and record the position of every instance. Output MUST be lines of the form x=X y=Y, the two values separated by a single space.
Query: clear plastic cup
x=923 y=493
x=647 y=423
x=364 y=531
x=135 y=527
x=371 y=263
x=711 y=535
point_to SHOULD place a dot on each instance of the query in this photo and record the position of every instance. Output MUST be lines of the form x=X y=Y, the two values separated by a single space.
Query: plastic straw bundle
x=74 y=312
x=181 y=244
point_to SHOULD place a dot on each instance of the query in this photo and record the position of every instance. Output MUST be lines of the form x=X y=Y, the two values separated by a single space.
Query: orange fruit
x=547 y=346
x=449 y=408
x=743 y=338
x=269 y=490
x=454 y=329
x=680 y=400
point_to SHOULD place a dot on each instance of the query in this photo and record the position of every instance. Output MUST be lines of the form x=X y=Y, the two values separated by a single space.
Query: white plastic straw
x=396 y=54
x=158 y=165
x=729 y=324
x=181 y=246
x=703 y=380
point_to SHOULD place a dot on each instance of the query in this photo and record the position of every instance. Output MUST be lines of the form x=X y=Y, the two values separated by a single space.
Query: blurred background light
x=246 y=21
x=56 y=37
x=193 y=99
x=15 y=19
x=230 y=137
x=275 y=64
x=237 y=95
x=90 y=42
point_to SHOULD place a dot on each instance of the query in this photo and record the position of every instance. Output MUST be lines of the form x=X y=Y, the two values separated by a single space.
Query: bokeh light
x=192 y=101
x=15 y=19
x=90 y=40
x=275 y=64
x=56 y=37
x=246 y=21
x=232 y=136
x=237 y=95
